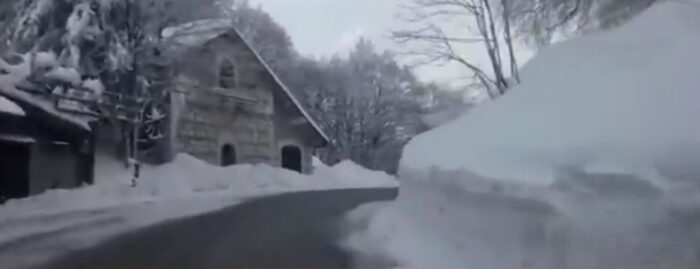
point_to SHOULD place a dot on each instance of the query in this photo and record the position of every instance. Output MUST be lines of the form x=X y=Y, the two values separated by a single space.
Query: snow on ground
x=9 y=107
x=39 y=238
x=590 y=163
x=61 y=220
x=189 y=177
x=185 y=178
x=348 y=173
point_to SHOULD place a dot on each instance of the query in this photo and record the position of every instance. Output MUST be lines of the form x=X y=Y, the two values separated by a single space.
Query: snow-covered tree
x=100 y=57
x=538 y=21
x=367 y=102
x=267 y=37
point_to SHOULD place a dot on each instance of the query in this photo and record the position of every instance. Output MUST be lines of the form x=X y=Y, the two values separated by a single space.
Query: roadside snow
x=623 y=98
x=197 y=32
x=189 y=177
x=348 y=173
x=49 y=222
x=9 y=107
x=590 y=163
x=45 y=60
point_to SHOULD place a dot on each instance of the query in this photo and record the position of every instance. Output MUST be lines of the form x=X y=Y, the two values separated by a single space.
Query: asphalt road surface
x=291 y=231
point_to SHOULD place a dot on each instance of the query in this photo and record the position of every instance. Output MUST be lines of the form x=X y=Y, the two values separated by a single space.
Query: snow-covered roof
x=199 y=32
x=17 y=138
x=9 y=107
x=44 y=105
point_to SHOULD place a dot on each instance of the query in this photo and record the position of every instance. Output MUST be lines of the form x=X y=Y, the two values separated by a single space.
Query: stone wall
x=212 y=117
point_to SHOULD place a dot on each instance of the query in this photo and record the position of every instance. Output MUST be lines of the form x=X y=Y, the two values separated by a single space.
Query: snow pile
x=9 y=107
x=590 y=163
x=351 y=174
x=45 y=60
x=624 y=99
x=186 y=177
x=65 y=74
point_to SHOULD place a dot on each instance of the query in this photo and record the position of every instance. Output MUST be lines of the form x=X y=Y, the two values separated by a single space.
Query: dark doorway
x=228 y=155
x=14 y=182
x=291 y=158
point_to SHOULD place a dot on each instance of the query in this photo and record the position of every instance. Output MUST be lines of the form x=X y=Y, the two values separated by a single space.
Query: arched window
x=291 y=158
x=228 y=155
x=227 y=75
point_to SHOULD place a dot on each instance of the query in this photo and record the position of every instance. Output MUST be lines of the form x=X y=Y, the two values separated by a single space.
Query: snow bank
x=188 y=177
x=625 y=99
x=590 y=163
x=351 y=174
x=9 y=107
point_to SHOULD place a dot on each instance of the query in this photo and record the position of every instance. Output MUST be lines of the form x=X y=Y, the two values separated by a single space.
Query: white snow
x=17 y=138
x=45 y=60
x=590 y=163
x=187 y=186
x=95 y=86
x=44 y=104
x=65 y=74
x=13 y=75
x=79 y=20
x=348 y=173
x=625 y=96
x=9 y=107
x=81 y=25
x=188 y=176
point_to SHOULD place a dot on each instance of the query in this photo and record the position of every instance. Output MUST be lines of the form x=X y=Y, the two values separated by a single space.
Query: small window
x=227 y=75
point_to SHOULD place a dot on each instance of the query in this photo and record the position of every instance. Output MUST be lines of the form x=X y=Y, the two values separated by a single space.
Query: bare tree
x=436 y=42
x=439 y=28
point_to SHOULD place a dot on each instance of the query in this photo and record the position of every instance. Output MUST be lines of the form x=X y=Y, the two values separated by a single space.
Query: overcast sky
x=326 y=27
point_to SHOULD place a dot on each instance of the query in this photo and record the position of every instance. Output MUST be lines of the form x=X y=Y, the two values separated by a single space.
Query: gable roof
x=199 y=32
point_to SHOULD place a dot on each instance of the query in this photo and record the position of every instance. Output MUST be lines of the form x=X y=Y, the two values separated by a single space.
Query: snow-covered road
x=37 y=228
x=33 y=240
x=287 y=231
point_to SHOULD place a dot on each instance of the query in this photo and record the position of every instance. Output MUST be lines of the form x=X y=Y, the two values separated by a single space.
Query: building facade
x=229 y=107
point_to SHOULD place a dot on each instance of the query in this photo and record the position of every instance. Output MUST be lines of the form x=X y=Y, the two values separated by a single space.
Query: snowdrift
x=613 y=101
x=581 y=166
x=11 y=108
x=188 y=177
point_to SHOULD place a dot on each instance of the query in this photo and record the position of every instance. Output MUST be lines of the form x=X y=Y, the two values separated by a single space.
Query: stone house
x=227 y=104
x=223 y=105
